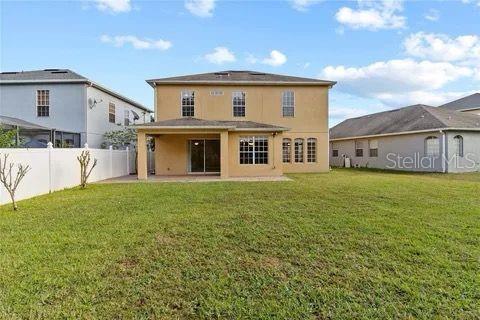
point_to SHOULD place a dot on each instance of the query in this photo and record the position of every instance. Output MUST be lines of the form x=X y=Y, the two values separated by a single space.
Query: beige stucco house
x=237 y=123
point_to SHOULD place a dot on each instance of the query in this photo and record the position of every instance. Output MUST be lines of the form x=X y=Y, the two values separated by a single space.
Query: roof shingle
x=465 y=103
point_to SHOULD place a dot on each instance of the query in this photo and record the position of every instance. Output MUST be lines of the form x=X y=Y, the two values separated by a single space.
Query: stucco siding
x=97 y=117
x=67 y=112
x=401 y=152
x=470 y=161
x=264 y=105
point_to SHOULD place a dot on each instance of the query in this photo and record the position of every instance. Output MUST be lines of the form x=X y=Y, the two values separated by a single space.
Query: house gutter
x=444 y=151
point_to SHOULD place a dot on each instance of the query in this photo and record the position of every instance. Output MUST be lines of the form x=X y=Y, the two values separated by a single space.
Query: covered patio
x=196 y=147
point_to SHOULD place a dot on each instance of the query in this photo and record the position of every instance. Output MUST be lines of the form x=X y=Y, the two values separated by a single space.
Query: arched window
x=287 y=150
x=298 y=150
x=432 y=147
x=311 y=150
x=458 y=145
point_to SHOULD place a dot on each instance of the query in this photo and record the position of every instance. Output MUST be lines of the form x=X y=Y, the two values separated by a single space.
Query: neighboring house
x=469 y=104
x=414 y=138
x=75 y=109
x=237 y=123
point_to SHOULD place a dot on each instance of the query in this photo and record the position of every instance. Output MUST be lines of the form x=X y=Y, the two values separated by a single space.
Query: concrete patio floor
x=189 y=178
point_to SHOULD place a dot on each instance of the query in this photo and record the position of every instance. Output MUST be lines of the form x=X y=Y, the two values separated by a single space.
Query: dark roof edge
x=154 y=82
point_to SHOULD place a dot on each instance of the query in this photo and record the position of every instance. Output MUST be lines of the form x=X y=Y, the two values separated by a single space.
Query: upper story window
x=359 y=149
x=126 y=118
x=43 y=103
x=432 y=147
x=311 y=150
x=111 y=112
x=288 y=103
x=458 y=145
x=373 y=148
x=238 y=103
x=287 y=150
x=188 y=103
x=299 y=150
x=254 y=150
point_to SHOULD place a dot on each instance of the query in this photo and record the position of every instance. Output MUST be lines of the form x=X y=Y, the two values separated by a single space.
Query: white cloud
x=476 y=2
x=201 y=8
x=120 y=41
x=397 y=82
x=440 y=47
x=373 y=15
x=346 y=112
x=275 y=59
x=251 y=59
x=114 y=6
x=220 y=55
x=432 y=15
x=302 y=5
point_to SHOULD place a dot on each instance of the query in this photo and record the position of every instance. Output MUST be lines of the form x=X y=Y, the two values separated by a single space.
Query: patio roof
x=14 y=122
x=194 y=123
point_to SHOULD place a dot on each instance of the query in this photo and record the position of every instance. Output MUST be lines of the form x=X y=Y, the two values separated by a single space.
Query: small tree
x=84 y=159
x=7 y=138
x=7 y=177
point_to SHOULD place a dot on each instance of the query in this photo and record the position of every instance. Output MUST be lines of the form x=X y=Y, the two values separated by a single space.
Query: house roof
x=14 y=122
x=470 y=102
x=59 y=76
x=240 y=77
x=409 y=119
x=194 y=123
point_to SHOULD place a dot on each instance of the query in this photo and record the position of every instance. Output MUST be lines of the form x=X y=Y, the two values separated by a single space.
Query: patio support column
x=224 y=154
x=142 y=155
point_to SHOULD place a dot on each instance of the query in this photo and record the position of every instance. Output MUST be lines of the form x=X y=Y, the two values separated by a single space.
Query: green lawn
x=347 y=244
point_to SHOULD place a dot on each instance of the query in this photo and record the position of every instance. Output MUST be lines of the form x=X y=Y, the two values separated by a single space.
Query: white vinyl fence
x=53 y=169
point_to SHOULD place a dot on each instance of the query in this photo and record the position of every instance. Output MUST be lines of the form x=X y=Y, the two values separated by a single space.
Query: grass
x=348 y=244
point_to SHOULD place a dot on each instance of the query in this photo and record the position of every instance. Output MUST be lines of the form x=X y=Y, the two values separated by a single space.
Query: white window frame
x=114 y=113
x=299 y=157
x=126 y=117
x=292 y=106
x=192 y=92
x=373 y=145
x=309 y=150
x=255 y=153
x=43 y=101
x=239 y=106
x=359 y=146
x=432 y=150
x=459 y=147
x=287 y=153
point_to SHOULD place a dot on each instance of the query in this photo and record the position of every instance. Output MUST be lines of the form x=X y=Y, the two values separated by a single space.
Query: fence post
x=110 y=148
x=128 y=160
x=50 y=165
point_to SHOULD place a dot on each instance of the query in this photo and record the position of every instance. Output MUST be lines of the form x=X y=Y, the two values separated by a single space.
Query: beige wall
x=171 y=154
x=264 y=105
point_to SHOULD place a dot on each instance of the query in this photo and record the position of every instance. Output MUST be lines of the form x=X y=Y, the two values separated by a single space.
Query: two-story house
x=64 y=107
x=237 y=123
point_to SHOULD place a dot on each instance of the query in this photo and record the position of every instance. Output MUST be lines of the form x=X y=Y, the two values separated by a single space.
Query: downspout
x=444 y=152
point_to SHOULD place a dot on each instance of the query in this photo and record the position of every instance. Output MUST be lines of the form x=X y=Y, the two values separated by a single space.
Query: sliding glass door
x=204 y=156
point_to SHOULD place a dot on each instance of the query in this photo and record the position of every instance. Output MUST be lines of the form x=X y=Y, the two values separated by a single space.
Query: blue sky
x=384 y=54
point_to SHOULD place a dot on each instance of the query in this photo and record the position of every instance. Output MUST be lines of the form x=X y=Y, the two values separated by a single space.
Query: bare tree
x=84 y=160
x=9 y=180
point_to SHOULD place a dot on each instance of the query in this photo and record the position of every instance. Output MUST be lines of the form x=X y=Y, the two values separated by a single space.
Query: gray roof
x=240 y=76
x=413 y=118
x=194 y=123
x=465 y=103
x=59 y=76
x=13 y=122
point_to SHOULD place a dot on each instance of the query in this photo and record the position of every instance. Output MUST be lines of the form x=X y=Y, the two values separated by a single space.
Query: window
x=373 y=147
x=287 y=150
x=334 y=153
x=432 y=147
x=111 y=112
x=238 y=103
x=254 y=150
x=311 y=150
x=126 y=118
x=288 y=103
x=298 y=150
x=188 y=103
x=359 y=148
x=458 y=145
x=43 y=103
